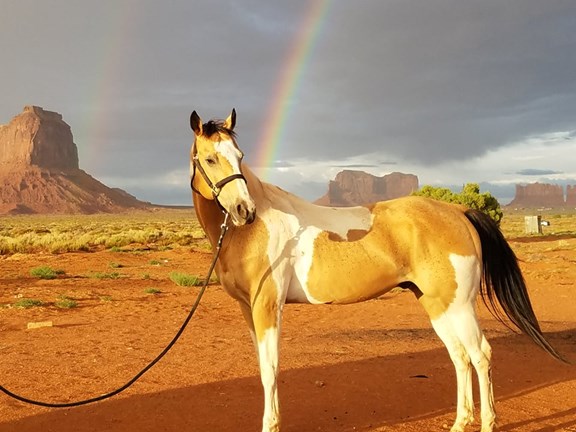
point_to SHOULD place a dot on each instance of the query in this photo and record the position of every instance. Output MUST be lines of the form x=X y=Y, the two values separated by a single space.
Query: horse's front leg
x=266 y=316
x=247 y=313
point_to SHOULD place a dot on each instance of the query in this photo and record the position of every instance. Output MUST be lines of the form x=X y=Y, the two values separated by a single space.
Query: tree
x=470 y=197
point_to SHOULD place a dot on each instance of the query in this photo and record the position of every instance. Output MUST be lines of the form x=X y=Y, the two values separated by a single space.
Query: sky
x=454 y=91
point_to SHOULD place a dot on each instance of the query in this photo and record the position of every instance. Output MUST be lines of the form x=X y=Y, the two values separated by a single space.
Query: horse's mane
x=216 y=126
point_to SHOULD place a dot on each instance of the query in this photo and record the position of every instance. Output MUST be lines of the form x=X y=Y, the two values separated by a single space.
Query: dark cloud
x=441 y=80
x=355 y=166
x=364 y=165
x=537 y=172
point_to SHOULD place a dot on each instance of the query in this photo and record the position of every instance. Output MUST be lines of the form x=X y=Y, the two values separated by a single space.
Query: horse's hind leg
x=478 y=348
x=457 y=326
x=465 y=403
x=462 y=315
x=459 y=330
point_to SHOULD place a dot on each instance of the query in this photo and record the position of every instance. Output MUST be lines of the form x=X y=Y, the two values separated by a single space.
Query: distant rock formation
x=535 y=195
x=351 y=188
x=39 y=170
x=40 y=138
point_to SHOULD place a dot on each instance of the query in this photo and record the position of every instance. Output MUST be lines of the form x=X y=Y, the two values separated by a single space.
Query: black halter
x=215 y=188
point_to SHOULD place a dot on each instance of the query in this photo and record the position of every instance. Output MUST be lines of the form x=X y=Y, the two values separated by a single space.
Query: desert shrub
x=26 y=303
x=45 y=272
x=183 y=279
x=104 y=275
x=65 y=302
x=470 y=196
x=152 y=291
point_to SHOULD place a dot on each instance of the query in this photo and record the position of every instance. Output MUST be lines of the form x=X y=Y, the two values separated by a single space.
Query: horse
x=282 y=249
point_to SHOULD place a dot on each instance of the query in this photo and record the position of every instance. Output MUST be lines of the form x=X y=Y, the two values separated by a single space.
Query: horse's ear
x=196 y=123
x=231 y=120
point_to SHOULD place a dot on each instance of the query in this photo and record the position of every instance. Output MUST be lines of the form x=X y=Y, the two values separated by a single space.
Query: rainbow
x=109 y=62
x=288 y=83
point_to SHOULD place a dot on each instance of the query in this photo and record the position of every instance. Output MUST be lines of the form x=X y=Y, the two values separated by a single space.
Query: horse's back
x=425 y=226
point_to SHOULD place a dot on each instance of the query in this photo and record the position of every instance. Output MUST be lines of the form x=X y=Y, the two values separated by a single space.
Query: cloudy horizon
x=451 y=91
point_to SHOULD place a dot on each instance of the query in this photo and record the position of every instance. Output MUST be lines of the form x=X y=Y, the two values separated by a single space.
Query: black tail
x=503 y=283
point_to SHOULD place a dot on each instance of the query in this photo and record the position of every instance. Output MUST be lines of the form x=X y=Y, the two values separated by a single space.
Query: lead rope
x=223 y=229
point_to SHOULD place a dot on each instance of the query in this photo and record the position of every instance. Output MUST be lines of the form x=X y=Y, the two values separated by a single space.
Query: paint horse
x=282 y=249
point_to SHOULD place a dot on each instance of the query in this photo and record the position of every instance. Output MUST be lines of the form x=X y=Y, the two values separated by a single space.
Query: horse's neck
x=265 y=195
x=255 y=185
x=210 y=217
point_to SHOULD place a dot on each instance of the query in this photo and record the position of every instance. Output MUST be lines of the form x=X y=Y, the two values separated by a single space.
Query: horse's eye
x=210 y=161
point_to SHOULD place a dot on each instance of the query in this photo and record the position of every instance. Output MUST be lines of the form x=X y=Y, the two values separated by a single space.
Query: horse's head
x=216 y=156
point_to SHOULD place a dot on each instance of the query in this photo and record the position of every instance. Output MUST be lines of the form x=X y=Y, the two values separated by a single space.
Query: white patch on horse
x=230 y=152
x=304 y=252
x=458 y=327
x=281 y=249
x=323 y=219
x=340 y=220
x=268 y=354
x=294 y=238
x=467 y=270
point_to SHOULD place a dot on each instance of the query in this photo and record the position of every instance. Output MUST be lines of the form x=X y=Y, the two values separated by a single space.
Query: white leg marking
x=461 y=361
x=462 y=316
x=268 y=350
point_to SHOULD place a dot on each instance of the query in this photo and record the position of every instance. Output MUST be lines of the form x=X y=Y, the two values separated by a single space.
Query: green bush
x=65 y=302
x=27 y=303
x=469 y=197
x=45 y=272
x=183 y=279
x=152 y=291
x=104 y=275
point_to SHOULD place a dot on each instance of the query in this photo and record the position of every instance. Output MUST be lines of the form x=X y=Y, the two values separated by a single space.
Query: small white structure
x=532 y=225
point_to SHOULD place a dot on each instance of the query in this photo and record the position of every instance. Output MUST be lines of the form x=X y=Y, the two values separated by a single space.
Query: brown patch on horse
x=397 y=249
x=351 y=235
x=247 y=273
x=335 y=275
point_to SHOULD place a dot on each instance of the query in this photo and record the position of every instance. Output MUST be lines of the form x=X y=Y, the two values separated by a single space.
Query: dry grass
x=70 y=233
x=167 y=228
x=512 y=225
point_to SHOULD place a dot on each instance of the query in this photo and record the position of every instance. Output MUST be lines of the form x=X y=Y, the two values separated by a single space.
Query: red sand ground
x=374 y=366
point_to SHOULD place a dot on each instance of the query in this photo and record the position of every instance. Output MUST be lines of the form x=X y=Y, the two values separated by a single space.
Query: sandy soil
x=375 y=366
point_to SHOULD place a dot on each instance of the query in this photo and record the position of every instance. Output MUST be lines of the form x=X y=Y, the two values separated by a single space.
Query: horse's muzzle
x=245 y=213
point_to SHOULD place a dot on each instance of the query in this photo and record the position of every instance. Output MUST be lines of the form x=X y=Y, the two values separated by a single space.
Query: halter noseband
x=215 y=188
